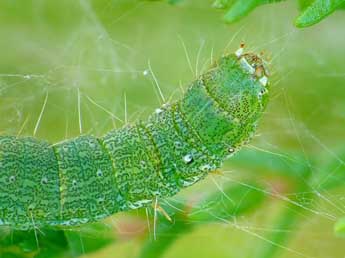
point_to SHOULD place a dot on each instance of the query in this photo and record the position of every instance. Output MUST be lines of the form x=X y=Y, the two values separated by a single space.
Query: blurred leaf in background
x=339 y=227
x=231 y=202
x=316 y=11
x=312 y=11
x=54 y=242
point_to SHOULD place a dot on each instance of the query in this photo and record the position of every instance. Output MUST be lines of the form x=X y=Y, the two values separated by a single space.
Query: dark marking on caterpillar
x=89 y=178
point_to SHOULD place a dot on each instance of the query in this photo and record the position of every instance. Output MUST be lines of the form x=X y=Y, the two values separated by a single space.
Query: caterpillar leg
x=161 y=210
x=155 y=218
x=157 y=208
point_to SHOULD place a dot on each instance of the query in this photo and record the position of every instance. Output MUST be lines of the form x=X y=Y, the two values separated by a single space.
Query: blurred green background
x=90 y=61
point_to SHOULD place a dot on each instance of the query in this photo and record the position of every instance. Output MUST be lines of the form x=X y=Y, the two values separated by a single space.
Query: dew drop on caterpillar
x=88 y=178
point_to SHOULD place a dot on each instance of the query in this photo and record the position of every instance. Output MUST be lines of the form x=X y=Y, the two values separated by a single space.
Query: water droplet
x=188 y=159
x=231 y=150
x=12 y=179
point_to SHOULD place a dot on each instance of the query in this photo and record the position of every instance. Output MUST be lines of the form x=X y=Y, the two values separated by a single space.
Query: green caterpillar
x=89 y=178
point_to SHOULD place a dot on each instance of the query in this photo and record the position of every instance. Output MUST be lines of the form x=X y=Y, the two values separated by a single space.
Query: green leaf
x=286 y=222
x=317 y=11
x=231 y=202
x=52 y=243
x=167 y=234
x=303 y=4
x=339 y=228
x=289 y=218
x=241 y=8
x=174 y=1
x=313 y=11
x=222 y=4
x=89 y=238
x=289 y=165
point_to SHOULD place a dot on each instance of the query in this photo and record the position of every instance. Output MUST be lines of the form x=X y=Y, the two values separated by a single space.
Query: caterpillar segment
x=88 y=178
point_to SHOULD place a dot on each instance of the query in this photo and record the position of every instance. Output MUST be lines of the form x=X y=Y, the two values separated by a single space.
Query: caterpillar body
x=88 y=178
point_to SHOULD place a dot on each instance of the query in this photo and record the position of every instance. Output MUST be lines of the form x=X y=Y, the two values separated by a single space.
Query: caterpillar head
x=223 y=106
x=239 y=84
x=253 y=64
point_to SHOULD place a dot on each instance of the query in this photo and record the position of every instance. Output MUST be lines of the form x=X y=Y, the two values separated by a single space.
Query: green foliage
x=233 y=201
x=293 y=165
x=312 y=11
x=89 y=238
x=229 y=203
x=317 y=11
x=53 y=242
x=239 y=8
x=288 y=220
x=49 y=243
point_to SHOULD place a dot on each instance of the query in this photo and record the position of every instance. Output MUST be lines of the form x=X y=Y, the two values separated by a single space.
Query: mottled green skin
x=88 y=178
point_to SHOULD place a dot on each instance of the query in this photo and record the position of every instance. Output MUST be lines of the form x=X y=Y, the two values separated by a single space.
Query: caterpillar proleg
x=89 y=178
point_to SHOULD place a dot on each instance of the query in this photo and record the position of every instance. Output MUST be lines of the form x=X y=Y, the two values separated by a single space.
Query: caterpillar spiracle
x=88 y=178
